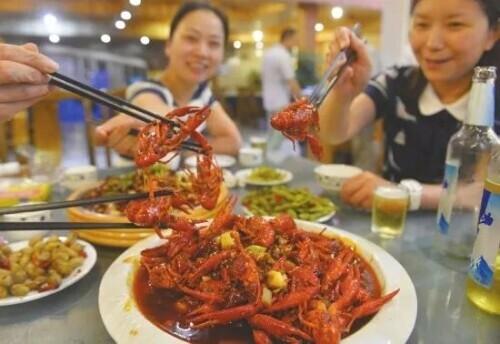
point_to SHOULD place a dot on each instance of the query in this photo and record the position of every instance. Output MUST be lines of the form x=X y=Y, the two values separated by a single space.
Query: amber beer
x=390 y=204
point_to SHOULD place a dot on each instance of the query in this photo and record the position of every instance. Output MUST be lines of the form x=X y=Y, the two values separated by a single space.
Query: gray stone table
x=444 y=313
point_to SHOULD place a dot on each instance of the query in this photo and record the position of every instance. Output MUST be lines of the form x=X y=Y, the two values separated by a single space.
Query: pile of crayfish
x=288 y=285
x=299 y=121
x=157 y=140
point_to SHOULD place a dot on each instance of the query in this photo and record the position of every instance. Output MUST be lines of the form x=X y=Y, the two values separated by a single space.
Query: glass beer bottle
x=483 y=283
x=467 y=159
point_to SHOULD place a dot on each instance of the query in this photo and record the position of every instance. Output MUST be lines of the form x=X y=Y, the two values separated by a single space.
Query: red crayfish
x=296 y=121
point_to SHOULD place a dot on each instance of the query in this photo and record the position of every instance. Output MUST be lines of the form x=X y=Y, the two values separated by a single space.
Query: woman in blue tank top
x=194 y=50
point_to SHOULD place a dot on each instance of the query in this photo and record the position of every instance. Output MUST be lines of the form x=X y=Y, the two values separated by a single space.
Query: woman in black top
x=421 y=106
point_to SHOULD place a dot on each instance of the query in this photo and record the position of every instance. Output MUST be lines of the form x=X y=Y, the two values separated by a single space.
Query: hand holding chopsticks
x=23 y=81
x=338 y=65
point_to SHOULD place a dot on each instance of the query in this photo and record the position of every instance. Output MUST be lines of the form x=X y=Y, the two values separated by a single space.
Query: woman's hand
x=358 y=191
x=115 y=133
x=23 y=77
x=357 y=75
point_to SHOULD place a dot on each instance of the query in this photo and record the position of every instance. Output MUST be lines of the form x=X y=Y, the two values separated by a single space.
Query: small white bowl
x=79 y=176
x=32 y=216
x=332 y=176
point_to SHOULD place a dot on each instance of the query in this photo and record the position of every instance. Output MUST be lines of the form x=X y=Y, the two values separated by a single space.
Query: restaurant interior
x=282 y=235
x=115 y=43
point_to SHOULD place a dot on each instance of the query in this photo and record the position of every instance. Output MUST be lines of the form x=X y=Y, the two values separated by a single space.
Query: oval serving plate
x=126 y=324
x=75 y=276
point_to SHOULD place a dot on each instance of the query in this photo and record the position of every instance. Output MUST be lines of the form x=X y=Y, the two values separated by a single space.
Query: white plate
x=392 y=324
x=242 y=176
x=321 y=219
x=75 y=276
x=224 y=161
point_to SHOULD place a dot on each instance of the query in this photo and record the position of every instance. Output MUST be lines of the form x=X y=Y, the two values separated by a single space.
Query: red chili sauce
x=157 y=305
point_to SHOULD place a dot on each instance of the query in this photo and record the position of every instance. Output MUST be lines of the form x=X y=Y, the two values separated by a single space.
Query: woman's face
x=448 y=38
x=196 y=49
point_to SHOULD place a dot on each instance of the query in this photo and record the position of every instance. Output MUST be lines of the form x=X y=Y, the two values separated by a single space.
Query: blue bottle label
x=447 y=196
x=487 y=242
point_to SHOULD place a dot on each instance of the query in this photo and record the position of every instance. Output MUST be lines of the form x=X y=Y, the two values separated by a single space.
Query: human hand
x=357 y=74
x=358 y=190
x=23 y=77
x=115 y=133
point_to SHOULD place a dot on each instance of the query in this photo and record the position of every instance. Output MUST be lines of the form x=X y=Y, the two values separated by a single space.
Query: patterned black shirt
x=415 y=144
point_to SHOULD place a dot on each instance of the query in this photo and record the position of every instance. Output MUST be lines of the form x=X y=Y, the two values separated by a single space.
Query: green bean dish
x=298 y=202
x=265 y=174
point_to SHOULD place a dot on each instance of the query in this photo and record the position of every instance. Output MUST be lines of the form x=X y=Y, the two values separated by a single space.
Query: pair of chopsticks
x=25 y=225
x=115 y=103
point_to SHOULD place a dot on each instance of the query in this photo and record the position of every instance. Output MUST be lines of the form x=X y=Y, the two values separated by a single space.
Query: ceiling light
x=259 y=45
x=337 y=12
x=144 y=40
x=257 y=35
x=126 y=15
x=49 y=19
x=120 y=24
x=318 y=27
x=105 y=38
x=53 y=38
x=237 y=44
x=135 y=2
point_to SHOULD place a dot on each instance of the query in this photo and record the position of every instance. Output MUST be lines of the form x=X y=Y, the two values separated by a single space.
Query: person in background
x=422 y=106
x=194 y=50
x=279 y=85
x=23 y=77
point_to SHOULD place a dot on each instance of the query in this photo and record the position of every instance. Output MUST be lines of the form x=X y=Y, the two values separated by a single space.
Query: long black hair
x=191 y=6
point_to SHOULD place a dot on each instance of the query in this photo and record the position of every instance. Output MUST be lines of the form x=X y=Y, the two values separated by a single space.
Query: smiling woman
x=194 y=50
x=421 y=106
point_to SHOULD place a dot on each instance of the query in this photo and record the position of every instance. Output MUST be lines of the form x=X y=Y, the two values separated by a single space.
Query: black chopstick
x=104 y=98
x=115 y=103
x=82 y=202
x=24 y=226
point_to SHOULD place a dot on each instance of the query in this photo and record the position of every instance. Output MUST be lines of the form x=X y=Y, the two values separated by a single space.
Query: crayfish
x=296 y=121
x=157 y=139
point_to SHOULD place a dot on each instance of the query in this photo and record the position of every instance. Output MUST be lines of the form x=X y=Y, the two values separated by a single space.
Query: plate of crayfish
x=114 y=212
x=256 y=280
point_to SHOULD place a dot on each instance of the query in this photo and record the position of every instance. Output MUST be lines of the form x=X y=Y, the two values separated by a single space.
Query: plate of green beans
x=264 y=176
x=300 y=203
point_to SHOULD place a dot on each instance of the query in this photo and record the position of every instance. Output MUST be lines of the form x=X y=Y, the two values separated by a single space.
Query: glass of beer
x=390 y=204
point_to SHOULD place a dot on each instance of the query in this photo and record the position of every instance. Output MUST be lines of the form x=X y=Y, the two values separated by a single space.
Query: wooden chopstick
x=24 y=226
x=99 y=96
x=82 y=202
